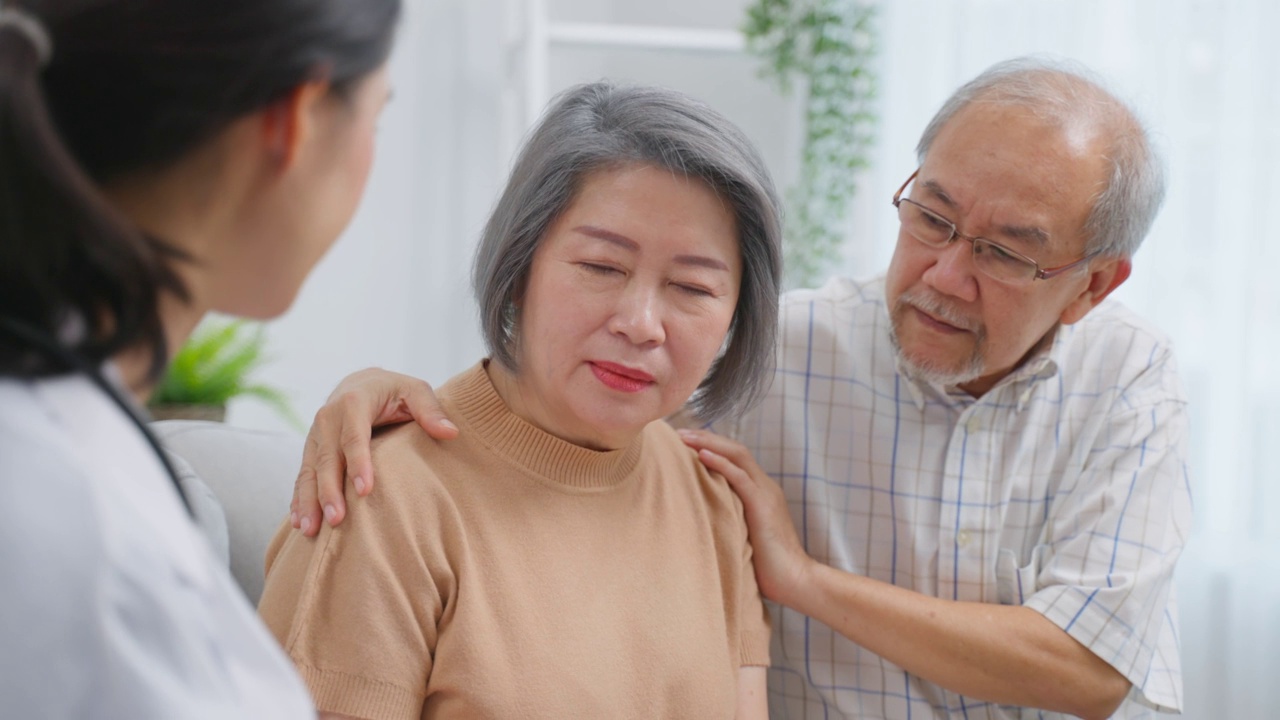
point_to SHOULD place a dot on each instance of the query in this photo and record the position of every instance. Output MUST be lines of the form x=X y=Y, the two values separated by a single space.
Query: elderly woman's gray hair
x=603 y=126
x=1068 y=94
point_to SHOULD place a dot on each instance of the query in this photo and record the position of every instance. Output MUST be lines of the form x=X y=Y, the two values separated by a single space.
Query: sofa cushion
x=251 y=472
x=205 y=507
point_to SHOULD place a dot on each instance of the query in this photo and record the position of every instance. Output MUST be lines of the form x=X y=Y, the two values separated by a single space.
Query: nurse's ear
x=288 y=125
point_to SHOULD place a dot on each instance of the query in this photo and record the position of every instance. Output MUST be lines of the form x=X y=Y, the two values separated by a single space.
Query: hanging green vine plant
x=831 y=44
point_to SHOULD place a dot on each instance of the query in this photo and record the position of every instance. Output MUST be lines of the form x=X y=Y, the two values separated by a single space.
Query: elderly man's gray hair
x=1069 y=94
x=603 y=126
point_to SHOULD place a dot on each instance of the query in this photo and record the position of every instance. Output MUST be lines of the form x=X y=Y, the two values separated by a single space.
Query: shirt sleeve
x=1105 y=572
x=358 y=606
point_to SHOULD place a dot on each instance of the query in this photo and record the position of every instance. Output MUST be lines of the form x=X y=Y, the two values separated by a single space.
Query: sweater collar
x=471 y=399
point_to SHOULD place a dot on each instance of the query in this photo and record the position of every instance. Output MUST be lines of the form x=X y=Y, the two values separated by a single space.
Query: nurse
x=159 y=159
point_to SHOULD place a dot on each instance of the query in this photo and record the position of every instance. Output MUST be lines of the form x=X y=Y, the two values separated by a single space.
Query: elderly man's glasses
x=991 y=258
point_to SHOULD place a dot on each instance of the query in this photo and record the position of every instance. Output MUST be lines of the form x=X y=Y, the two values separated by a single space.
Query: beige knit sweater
x=510 y=574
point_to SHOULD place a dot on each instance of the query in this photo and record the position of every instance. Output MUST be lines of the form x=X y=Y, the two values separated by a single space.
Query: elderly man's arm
x=1004 y=654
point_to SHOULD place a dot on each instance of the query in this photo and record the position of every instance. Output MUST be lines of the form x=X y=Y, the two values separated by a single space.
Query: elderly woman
x=567 y=555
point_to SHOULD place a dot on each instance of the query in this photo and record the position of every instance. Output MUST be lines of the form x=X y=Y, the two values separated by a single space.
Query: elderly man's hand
x=781 y=563
x=337 y=447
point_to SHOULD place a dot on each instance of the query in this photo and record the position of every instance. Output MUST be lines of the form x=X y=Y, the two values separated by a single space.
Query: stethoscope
x=72 y=361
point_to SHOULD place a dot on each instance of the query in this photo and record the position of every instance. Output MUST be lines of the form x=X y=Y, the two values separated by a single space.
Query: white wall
x=729 y=82
x=394 y=291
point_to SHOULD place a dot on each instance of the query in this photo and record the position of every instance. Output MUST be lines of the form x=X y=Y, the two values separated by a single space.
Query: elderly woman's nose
x=637 y=314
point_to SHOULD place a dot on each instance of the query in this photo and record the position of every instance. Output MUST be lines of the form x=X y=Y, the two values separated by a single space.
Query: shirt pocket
x=1015 y=584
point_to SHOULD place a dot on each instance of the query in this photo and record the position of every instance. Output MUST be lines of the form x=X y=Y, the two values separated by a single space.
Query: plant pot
x=212 y=413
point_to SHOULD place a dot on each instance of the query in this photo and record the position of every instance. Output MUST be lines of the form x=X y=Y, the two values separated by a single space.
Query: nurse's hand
x=337 y=447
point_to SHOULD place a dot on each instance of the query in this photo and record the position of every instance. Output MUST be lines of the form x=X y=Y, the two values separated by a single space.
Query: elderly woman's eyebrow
x=627 y=243
x=608 y=236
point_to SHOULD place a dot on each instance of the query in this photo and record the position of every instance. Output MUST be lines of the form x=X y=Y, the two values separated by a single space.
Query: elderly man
x=967 y=488
x=987 y=469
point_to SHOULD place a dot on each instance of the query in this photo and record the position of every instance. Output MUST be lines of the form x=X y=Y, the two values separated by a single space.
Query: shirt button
x=963 y=538
x=972 y=424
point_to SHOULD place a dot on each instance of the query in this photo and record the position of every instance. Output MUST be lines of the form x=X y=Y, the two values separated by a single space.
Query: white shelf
x=534 y=36
x=644 y=37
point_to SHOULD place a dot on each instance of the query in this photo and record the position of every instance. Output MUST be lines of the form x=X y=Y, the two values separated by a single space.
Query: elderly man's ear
x=1104 y=276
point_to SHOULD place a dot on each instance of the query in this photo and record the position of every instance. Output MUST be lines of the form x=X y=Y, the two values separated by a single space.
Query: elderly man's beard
x=958 y=373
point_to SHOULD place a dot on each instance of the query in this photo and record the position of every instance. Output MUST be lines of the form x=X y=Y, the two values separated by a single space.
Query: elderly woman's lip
x=618 y=382
x=627 y=372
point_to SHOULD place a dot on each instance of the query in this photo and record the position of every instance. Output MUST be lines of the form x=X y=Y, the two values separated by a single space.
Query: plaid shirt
x=1063 y=489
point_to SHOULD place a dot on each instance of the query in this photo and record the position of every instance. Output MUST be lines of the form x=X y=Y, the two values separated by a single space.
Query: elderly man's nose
x=953 y=272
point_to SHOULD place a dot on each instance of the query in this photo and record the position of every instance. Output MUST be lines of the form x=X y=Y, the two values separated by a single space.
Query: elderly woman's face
x=628 y=301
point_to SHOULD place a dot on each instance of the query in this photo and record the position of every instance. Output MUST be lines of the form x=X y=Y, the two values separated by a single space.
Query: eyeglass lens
x=935 y=231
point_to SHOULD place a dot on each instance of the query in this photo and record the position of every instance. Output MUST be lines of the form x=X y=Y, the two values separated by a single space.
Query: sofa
x=239 y=483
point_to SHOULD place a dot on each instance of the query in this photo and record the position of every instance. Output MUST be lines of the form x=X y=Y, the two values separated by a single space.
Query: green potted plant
x=213 y=367
x=830 y=46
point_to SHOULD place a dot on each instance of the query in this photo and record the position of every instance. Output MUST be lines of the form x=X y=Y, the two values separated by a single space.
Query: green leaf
x=215 y=365
x=832 y=44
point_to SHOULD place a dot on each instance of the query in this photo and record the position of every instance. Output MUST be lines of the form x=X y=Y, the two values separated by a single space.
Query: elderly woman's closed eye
x=566 y=555
x=626 y=304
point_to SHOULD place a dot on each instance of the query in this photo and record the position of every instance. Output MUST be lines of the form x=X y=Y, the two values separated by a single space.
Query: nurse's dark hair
x=131 y=86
